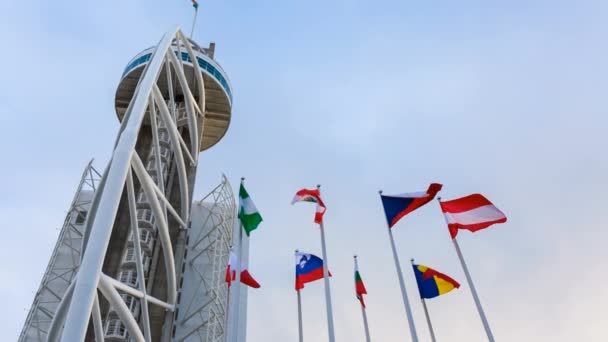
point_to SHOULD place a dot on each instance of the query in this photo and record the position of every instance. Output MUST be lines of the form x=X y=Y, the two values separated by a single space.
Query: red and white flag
x=246 y=277
x=313 y=196
x=473 y=212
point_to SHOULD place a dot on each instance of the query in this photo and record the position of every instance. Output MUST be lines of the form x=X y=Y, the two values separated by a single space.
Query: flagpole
x=300 y=329
x=406 y=303
x=237 y=291
x=363 y=313
x=194 y=22
x=330 y=319
x=227 y=322
x=428 y=317
x=482 y=315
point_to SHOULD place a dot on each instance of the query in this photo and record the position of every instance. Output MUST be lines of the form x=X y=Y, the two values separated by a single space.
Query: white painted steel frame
x=64 y=262
x=203 y=307
x=146 y=100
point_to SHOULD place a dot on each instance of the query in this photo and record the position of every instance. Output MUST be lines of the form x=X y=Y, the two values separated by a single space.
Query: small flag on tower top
x=248 y=213
x=195 y=4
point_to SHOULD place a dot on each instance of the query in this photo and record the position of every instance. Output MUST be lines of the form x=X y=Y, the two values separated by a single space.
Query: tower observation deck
x=135 y=253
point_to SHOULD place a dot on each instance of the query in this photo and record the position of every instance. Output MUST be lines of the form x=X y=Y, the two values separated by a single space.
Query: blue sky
x=503 y=98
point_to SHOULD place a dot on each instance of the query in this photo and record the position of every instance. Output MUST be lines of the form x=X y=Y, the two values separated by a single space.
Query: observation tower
x=138 y=259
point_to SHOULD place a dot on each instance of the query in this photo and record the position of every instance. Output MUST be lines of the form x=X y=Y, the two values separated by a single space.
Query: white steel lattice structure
x=174 y=101
x=64 y=261
x=204 y=294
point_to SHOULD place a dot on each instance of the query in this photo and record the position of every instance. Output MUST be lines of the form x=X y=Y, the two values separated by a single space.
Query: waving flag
x=195 y=4
x=314 y=196
x=308 y=269
x=246 y=277
x=359 y=286
x=248 y=213
x=473 y=212
x=397 y=206
x=432 y=283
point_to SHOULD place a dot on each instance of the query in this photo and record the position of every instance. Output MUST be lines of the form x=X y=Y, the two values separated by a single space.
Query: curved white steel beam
x=141 y=277
x=85 y=288
x=179 y=156
x=163 y=228
x=121 y=308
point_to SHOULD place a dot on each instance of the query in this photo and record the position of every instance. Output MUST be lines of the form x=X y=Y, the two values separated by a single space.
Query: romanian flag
x=397 y=206
x=195 y=4
x=314 y=196
x=432 y=283
x=359 y=286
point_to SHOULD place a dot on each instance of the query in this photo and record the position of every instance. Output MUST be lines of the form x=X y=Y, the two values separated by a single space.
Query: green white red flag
x=359 y=286
x=248 y=213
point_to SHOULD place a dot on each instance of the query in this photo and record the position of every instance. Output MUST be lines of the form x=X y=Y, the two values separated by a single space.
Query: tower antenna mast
x=195 y=5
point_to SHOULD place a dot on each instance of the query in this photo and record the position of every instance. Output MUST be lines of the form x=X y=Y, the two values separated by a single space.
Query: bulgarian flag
x=195 y=4
x=248 y=214
x=359 y=286
x=314 y=196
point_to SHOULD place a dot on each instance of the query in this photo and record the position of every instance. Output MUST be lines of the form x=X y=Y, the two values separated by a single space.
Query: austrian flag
x=314 y=196
x=473 y=212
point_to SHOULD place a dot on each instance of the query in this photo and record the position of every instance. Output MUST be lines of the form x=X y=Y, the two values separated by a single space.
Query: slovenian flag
x=432 y=283
x=397 y=206
x=473 y=212
x=313 y=196
x=246 y=277
x=309 y=268
x=359 y=286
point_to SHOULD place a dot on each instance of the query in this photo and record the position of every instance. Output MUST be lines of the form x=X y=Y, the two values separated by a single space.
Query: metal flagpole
x=428 y=320
x=406 y=302
x=300 y=330
x=363 y=313
x=194 y=22
x=227 y=321
x=236 y=313
x=482 y=315
x=428 y=317
x=367 y=338
x=484 y=320
x=330 y=318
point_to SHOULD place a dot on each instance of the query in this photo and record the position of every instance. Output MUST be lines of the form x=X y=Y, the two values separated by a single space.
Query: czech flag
x=395 y=207
x=246 y=277
x=473 y=212
x=432 y=283
x=308 y=269
x=314 y=196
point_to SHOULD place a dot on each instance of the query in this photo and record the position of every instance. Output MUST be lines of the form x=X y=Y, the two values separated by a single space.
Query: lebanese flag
x=473 y=212
x=246 y=277
x=314 y=196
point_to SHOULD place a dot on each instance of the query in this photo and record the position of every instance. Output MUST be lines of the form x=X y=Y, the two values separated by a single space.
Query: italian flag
x=248 y=214
x=359 y=286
